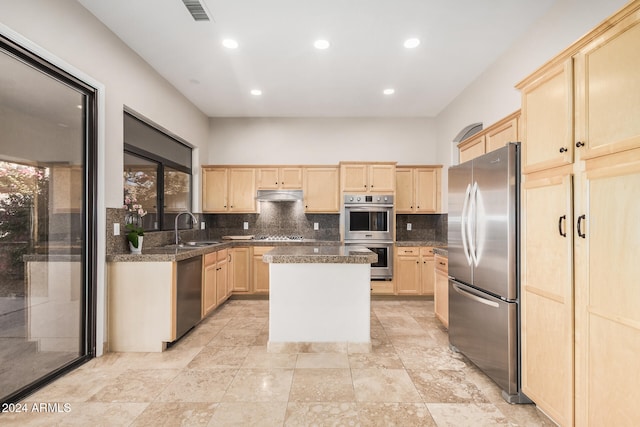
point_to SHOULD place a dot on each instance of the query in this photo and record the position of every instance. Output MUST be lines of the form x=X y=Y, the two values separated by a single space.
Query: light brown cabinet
x=215 y=280
x=260 y=270
x=66 y=189
x=491 y=138
x=441 y=289
x=209 y=296
x=367 y=177
x=414 y=270
x=228 y=189
x=222 y=276
x=581 y=327
x=418 y=189
x=240 y=270
x=282 y=177
x=321 y=189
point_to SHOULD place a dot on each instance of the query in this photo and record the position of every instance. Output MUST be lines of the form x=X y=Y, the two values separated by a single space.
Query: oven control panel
x=365 y=199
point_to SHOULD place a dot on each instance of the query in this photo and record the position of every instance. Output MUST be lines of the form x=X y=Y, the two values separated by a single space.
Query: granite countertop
x=335 y=254
x=434 y=243
x=441 y=251
x=171 y=253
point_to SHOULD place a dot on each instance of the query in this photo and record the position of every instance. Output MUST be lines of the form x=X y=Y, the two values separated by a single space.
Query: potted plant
x=134 y=236
x=133 y=220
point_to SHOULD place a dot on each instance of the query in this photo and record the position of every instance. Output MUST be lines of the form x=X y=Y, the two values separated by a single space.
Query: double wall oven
x=369 y=221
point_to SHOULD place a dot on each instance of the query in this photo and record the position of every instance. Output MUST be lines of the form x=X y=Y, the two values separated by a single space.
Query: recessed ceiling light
x=256 y=92
x=79 y=106
x=230 y=43
x=411 y=43
x=389 y=91
x=321 y=44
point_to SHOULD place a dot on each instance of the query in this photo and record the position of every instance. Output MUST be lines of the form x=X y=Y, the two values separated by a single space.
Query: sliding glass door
x=47 y=146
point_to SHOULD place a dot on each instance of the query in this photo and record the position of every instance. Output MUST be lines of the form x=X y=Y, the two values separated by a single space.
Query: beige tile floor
x=220 y=374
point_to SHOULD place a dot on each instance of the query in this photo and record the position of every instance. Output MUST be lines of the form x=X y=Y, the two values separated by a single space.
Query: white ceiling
x=459 y=39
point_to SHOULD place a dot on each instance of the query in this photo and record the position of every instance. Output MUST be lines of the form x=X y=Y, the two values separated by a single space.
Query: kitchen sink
x=193 y=244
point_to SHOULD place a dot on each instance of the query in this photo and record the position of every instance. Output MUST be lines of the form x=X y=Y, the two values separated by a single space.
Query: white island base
x=319 y=303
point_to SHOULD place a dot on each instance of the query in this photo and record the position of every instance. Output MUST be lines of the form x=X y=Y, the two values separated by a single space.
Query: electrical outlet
x=316 y=226
x=408 y=226
x=116 y=228
x=202 y=225
x=245 y=225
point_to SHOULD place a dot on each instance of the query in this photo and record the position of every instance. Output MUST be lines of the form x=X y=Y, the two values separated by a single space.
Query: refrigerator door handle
x=475 y=297
x=471 y=230
x=464 y=225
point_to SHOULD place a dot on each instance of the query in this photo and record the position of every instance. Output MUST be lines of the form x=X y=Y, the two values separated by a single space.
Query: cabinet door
x=441 y=291
x=547 y=119
x=214 y=189
x=427 y=190
x=321 y=190
x=607 y=73
x=290 y=178
x=407 y=271
x=222 y=274
x=472 y=149
x=382 y=178
x=239 y=270
x=267 y=179
x=209 y=298
x=354 y=177
x=404 y=190
x=427 y=271
x=607 y=292
x=242 y=190
x=502 y=135
x=260 y=270
x=547 y=297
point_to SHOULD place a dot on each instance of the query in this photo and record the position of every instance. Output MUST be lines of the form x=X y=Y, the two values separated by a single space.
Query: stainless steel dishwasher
x=188 y=294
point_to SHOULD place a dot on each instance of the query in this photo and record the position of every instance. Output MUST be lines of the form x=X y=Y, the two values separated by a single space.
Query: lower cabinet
x=240 y=270
x=260 y=270
x=215 y=280
x=414 y=270
x=441 y=291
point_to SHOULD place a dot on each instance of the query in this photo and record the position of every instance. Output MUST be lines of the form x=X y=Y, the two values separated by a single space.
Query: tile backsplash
x=287 y=219
x=423 y=227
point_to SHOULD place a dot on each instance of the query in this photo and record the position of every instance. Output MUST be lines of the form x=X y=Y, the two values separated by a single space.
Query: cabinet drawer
x=426 y=252
x=442 y=264
x=408 y=251
x=221 y=255
x=210 y=258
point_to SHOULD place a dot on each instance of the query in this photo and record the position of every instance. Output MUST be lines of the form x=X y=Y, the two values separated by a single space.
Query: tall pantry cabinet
x=581 y=228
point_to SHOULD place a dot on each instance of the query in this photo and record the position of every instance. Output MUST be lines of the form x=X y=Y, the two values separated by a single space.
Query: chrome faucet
x=195 y=221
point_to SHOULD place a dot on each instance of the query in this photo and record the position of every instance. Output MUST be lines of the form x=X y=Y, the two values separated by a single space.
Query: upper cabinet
x=495 y=136
x=321 y=189
x=228 y=189
x=367 y=177
x=418 y=189
x=285 y=178
x=547 y=98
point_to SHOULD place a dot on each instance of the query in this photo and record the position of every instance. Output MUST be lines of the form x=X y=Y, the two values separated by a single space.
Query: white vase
x=137 y=250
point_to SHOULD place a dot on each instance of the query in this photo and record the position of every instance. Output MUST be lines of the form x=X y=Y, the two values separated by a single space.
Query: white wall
x=66 y=34
x=321 y=140
x=493 y=95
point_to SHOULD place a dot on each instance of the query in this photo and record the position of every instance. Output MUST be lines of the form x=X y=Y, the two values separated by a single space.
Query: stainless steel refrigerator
x=484 y=266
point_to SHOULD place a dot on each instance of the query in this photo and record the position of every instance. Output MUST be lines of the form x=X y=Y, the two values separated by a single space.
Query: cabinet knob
x=579 y=144
x=563 y=149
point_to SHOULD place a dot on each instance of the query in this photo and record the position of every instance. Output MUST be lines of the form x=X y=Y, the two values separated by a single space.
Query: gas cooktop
x=280 y=238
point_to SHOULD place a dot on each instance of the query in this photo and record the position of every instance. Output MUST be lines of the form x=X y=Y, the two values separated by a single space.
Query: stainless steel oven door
x=368 y=222
x=383 y=268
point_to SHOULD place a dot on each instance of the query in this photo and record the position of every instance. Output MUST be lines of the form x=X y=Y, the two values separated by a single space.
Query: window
x=157 y=173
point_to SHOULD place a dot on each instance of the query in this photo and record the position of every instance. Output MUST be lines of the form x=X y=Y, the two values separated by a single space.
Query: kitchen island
x=319 y=295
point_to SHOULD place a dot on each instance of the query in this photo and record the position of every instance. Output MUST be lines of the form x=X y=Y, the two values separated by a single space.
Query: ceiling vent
x=197 y=10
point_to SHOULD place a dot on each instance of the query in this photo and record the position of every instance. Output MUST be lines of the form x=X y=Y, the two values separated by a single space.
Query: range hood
x=279 y=195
